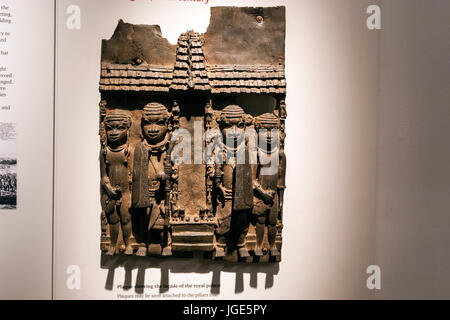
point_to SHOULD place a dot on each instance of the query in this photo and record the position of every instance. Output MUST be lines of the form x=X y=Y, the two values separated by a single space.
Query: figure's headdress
x=267 y=121
x=119 y=115
x=155 y=109
x=232 y=112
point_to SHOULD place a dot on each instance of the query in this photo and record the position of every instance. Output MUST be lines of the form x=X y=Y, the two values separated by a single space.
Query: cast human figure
x=115 y=178
x=266 y=182
x=233 y=182
x=151 y=179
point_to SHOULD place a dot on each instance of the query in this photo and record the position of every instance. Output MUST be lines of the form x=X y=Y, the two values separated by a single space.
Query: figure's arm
x=266 y=196
x=218 y=178
x=168 y=165
x=281 y=183
x=282 y=171
x=168 y=171
x=218 y=182
x=260 y=192
x=130 y=164
x=105 y=182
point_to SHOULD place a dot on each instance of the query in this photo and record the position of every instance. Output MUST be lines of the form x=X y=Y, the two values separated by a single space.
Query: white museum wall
x=329 y=234
x=26 y=233
x=413 y=187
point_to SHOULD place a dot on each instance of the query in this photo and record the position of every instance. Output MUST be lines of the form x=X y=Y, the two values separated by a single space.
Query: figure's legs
x=260 y=226
x=272 y=228
x=154 y=231
x=104 y=224
x=242 y=224
x=165 y=236
x=260 y=214
x=165 y=240
x=222 y=232
x=105 y=242
x=125 y=219
x=113 y=219
x=143 y=233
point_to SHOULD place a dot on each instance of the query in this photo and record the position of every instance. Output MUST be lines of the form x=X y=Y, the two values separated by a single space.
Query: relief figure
x=115 y=179
x=151 y=180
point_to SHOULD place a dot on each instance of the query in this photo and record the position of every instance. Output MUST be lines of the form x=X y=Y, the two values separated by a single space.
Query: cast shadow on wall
x=191 y=264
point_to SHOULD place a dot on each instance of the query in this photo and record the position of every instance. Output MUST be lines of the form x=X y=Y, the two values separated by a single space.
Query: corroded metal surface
x=222 y=91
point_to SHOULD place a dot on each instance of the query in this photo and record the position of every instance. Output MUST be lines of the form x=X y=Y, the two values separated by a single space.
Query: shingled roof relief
x=198 y=65
x=189 y=69
x=247 y=79
x=216 y=78
x=127 y=77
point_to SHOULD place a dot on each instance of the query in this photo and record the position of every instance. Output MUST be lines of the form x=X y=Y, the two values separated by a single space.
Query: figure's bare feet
x=128 y=250
x=274 y=252
x=258 y=252
x=166 y=251
x=142 y=252
x=220 y=252
x=243 y=253
x=111 y=251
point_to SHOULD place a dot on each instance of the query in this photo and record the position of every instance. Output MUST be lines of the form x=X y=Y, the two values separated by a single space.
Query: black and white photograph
x=8 y=166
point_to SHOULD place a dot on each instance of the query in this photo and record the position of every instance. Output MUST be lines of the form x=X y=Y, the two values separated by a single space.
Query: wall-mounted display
x=192 y=138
